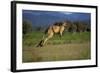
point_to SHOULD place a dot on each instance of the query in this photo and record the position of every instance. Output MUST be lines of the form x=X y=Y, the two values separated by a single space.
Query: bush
x=81 y=27
x=27 y=27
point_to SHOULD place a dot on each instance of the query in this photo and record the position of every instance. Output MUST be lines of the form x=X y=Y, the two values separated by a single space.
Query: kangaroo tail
x=40 y=44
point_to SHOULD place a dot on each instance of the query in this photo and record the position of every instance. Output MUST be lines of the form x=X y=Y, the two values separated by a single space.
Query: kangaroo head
x=64 y=24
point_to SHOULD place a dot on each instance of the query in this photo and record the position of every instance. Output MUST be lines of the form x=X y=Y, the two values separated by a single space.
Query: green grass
x=32 y=39
x=69 y=47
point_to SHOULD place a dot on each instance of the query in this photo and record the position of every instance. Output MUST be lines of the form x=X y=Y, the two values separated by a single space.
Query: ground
x=70 y=47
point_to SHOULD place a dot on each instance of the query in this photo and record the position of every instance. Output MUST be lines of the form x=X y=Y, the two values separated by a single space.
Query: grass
x=33 y=38
x=69 y=47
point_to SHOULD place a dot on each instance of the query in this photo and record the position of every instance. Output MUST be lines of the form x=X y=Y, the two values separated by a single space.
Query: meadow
x=71 y=46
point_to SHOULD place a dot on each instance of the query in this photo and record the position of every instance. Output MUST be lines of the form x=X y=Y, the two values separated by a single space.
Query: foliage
x=81 y=26
x=27 y=26
x=71 y=46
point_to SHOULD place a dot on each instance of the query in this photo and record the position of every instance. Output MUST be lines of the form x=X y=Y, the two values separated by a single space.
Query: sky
x=46 y=18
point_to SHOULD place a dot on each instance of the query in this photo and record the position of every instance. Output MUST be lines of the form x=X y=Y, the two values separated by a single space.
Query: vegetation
x=72 y=46
x=27 y=27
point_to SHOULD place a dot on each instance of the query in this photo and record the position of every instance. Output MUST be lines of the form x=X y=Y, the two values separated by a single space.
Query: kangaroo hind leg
x=47 y=38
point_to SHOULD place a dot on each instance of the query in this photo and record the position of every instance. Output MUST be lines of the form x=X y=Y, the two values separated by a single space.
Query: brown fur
x=51 y=30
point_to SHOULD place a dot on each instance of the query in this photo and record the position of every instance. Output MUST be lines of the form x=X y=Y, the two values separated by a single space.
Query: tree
x=72 y=28
x=27 y=27
x=81 y=27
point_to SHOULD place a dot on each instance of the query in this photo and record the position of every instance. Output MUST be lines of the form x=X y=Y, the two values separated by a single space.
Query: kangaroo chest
x=57 y=29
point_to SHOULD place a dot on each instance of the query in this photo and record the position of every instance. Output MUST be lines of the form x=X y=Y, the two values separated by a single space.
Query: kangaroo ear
x=65 y=24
